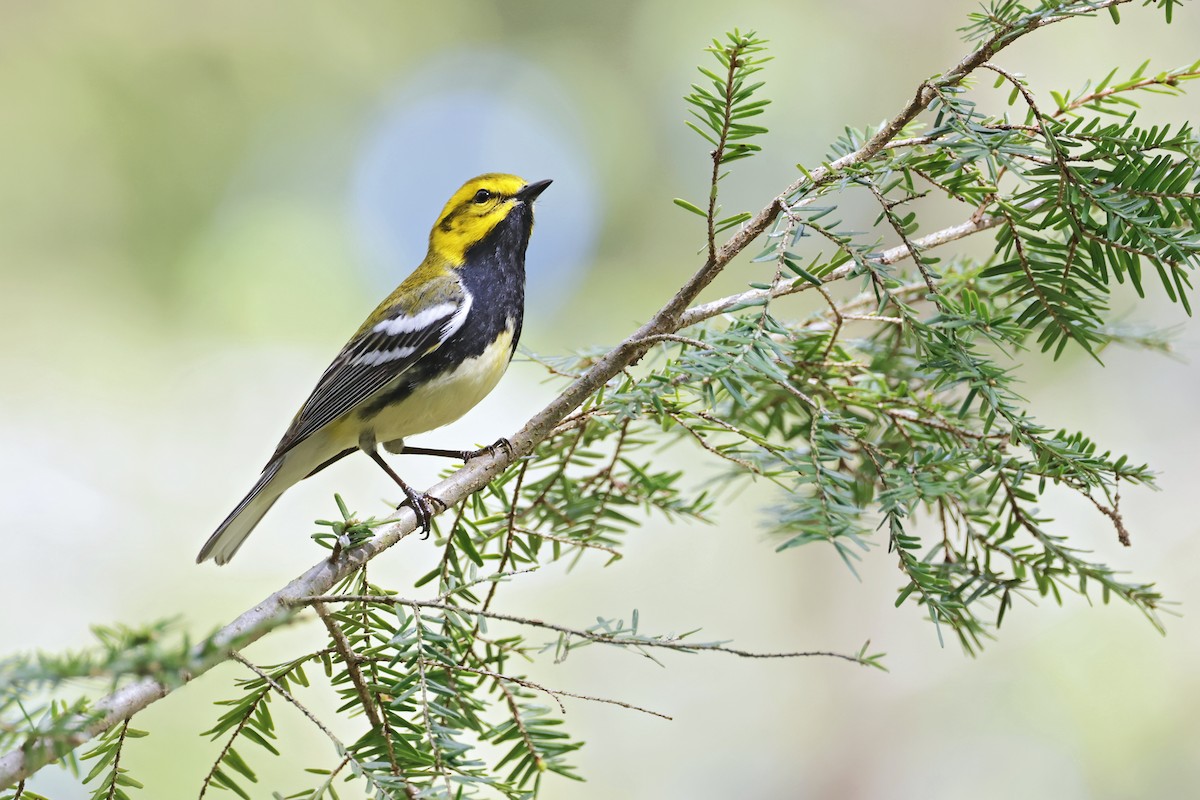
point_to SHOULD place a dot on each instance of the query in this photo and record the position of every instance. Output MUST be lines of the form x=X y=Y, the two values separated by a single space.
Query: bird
x=429 y=353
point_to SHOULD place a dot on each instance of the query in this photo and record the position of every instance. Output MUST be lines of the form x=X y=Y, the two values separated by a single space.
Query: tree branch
x=754 y=297
x=676 y=644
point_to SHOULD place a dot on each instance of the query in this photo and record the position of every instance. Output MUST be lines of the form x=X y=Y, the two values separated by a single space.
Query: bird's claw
x=422 y=506
x=490 y=450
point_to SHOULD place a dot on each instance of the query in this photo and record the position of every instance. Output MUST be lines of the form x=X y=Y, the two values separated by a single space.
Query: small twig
x=942 y=425
x=830 y=364
x=568 y=541
x=912 y=141
x=351 y=659
x=564 y=461
x=1083 y=100
x=912 y=247
x=1113 y=512
x=718 y=152
x=667 y=644
x=410 y=791
x=557 y=693
x=229 y=744
x=606 y=475
x=510 y=526
x=491 y=577
x=116 y=765
x=674 y=337
x=449 y=548
x=579 y=418
x=1069 y=108
x=1027 y=270
x=763 y=444
x=515 y=712
x=781 y=262
x=386 y=729
x=838 y=320
x=873 y=318
x=438 y=764
x=695 y=434
x=328 y=782
x=288 y=696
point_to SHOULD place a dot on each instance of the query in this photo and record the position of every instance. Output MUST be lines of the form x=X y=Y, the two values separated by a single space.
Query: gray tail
x=229 y=536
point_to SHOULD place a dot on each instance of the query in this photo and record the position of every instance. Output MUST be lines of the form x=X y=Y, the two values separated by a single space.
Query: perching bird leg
x=421 y=504
x=461 y=455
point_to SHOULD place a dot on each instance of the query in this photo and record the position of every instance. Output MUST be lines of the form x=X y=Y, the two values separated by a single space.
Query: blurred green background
x=199 y=202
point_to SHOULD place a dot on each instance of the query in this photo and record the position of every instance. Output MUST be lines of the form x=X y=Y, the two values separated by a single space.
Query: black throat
x=493 y=271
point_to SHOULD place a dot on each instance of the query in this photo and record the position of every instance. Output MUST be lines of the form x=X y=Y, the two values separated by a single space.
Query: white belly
x=445 y=399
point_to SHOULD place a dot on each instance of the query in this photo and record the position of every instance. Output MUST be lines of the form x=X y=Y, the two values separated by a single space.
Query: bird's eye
x=482 y=196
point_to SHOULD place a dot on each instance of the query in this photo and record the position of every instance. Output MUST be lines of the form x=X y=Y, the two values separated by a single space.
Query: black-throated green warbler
x=432 y=350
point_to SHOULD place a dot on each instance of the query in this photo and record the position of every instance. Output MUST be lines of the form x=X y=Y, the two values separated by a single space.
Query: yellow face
x=472 y=213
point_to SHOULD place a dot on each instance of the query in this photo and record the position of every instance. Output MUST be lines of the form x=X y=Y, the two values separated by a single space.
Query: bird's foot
x=423 y=507
x=490 y=450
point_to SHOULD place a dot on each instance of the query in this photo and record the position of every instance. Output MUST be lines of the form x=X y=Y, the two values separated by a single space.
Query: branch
x=351 y=659
x=600 y=638
x=557 y=694
x=718 y=153
x=286 y=695
x=277 y=608
x=754 y=297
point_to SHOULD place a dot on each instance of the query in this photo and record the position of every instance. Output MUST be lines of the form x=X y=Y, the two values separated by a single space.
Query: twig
x=1159 y=80
x=350 y=659
x=328 y=782
x=515 y=712
x=410 y=791
x=228 y=745
x=491 y=577
x=695 y=434
x=838 y=321
x=873 y=318
x=449 y=548
x=438 y=765
x=557 y=693
x=1113 y=512
x=674 y=337
x=913 y=248
x=753 y=297
x=718 y=152
x=667 y=644
x=288 y=696
x=510 y=528
x=616 y=554
x=116 y=765
x=961 y=433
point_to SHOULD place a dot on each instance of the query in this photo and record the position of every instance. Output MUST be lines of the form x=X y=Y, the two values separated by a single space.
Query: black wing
x=373 y=358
